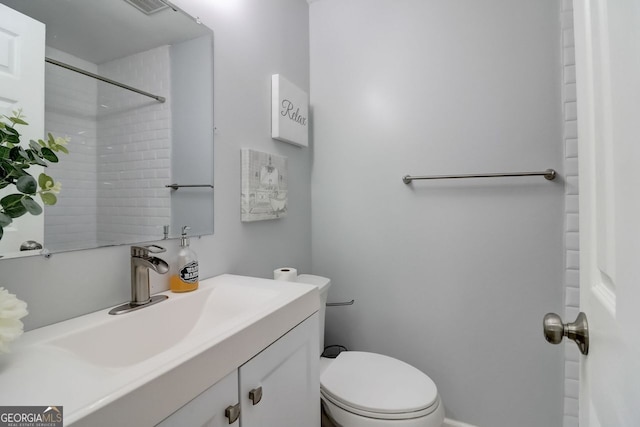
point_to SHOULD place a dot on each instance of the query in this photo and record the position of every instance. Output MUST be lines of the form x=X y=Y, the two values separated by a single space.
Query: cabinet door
x=208 y=409
x=286 y=375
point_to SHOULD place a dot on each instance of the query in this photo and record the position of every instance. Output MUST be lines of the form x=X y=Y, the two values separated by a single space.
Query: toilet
x=361 y=389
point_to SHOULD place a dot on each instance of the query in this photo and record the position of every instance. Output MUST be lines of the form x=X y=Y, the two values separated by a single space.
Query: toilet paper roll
x=287 y=274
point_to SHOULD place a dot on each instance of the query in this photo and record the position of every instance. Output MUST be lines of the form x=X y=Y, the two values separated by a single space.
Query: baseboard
x=452 y=423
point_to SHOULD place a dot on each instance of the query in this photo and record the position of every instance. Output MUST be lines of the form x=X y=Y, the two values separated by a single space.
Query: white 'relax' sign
x=289 y=112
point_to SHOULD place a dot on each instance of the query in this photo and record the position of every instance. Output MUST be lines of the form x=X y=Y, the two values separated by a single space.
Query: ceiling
x=102 y=30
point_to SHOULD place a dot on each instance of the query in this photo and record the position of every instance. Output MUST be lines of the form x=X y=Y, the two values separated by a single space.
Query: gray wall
x=453 y=277
x=253 y=40
x=192 y=135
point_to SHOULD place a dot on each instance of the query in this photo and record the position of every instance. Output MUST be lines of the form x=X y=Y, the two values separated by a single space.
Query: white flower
x=11 y=311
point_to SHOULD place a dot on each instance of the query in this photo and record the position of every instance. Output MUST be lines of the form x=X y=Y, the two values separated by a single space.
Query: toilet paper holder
x=337 y=304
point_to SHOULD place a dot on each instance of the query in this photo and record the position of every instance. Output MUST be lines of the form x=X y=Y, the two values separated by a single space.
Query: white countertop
x=101 y=383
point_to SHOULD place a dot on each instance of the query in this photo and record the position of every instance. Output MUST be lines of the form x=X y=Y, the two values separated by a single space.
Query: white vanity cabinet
x=279 y=387
x=208 y=409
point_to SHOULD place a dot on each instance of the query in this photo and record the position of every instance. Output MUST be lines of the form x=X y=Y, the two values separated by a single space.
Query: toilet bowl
x=362 y=389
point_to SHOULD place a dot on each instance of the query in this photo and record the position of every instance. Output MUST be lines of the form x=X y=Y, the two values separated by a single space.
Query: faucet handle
x=144 y=251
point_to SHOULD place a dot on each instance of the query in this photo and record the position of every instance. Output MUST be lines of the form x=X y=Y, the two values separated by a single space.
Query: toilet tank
x=323 y=285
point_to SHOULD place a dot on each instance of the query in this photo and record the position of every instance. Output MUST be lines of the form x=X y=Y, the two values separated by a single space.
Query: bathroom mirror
x=125 y=147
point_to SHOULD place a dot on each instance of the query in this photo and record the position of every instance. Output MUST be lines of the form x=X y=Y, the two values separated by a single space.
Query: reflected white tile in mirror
x=125 y=148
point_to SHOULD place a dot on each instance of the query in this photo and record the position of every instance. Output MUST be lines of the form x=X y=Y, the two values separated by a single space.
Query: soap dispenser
x=186 y=277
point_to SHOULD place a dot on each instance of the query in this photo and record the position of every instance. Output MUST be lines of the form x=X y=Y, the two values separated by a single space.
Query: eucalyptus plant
x=15 y=160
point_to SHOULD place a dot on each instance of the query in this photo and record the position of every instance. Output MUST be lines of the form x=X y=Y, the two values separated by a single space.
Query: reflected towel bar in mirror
x=104 y=79
x=548 y=174
x=176 y=186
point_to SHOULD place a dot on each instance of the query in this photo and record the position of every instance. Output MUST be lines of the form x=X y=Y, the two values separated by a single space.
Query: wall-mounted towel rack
x=176 y=186
x=338 y=304
x=548 y=174
x=103 y=79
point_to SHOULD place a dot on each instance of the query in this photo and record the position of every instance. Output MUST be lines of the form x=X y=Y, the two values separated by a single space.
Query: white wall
x=453 y=277
x=253 y=40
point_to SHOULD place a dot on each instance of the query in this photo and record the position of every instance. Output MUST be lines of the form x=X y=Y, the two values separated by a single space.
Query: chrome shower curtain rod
x=548 y=174
x=104 y=79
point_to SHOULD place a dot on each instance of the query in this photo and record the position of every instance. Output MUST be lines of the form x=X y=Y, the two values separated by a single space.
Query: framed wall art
x=264 y=186
x=289 y=112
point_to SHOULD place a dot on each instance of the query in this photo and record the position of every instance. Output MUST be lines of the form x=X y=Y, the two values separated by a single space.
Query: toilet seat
x=377 y=386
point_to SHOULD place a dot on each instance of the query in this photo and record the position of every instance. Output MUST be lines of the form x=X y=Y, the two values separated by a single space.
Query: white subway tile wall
x=114 y=177
x=70 y=111
x=134 y=134
x=572 y=254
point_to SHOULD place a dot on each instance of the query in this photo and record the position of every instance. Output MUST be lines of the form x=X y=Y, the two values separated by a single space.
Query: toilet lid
x=378 y=384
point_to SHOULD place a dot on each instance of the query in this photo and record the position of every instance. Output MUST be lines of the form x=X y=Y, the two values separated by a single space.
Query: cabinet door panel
x=207 y=409
x=288 y=374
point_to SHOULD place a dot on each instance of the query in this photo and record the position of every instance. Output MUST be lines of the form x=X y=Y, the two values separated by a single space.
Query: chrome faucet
x=141 y=263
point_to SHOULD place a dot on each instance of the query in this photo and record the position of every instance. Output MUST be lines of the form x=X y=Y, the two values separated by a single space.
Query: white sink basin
x=134 y=337
x=101 y=366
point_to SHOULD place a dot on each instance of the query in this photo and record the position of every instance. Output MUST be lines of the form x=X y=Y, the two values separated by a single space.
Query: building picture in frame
x=264 y=186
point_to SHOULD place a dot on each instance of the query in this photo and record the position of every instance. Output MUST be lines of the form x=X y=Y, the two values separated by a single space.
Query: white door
x=608 y=78
x=22 y=44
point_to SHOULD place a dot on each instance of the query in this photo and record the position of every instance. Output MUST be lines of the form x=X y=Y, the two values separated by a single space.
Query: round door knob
x=578 y=331
x=553 y=328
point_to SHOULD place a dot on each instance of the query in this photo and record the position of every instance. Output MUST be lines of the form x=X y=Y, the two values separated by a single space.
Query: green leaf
x=18 y=121
x=27 y=184
x=17 y=153
x=35 y=147
x=12 y=205
x=10 y=168
x=31 y=206
x=23 y=153
x=48 y=198
x=4 y=152
x=4 y=220
x=13 y=153
x=11 y=130
x=49 y=155
x=33 y=157
x=63 y=149
x=5 y=168
x=12 y=139
x=43 y=179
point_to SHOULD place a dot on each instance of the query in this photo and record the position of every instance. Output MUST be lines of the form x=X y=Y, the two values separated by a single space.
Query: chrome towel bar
x=176 y=186
x=338 y=304
x=103 y=79
x=548 y=174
